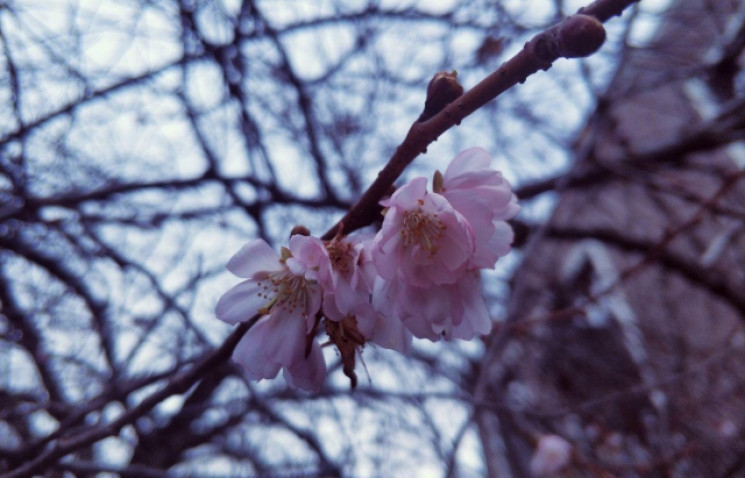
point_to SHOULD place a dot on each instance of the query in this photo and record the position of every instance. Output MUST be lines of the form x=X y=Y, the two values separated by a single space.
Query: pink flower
x=283 y=290
x=551 y=455
x=348 y=293
x=384 y=328
x=423 y=239
x=344 y=269
x=450 y=311
x=348 y=278
x=431 y=246
x=484 y=198
x=419 y=276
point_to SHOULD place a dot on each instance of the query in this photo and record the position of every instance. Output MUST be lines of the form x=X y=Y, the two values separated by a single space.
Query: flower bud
x=551 y=455
x=300 y=229
x=442 y=90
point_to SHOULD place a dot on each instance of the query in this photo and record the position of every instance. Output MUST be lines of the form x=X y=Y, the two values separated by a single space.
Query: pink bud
x=551 y=455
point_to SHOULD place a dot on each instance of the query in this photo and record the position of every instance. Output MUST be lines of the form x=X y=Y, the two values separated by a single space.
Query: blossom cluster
x=418 y=276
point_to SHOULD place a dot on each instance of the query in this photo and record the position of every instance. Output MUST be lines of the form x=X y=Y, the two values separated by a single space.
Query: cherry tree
x=371 y=238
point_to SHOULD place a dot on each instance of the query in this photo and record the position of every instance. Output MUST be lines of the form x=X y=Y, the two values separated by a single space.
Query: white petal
x=476 y=319
x=501 y=241
x=330 y=309
x=390 y=333
x=240 y=303
x=388 y=330
x=285 y=337
x=385 y=295
x=312 y=305
x=310 y=251
x=347 y=298
x=409 y=194
x=386 y=255
x=472 y=159
x=431 y=303
x=307 y=373
x=254 y=257
x=296 y=267
x=251 y=355
x=421 y=327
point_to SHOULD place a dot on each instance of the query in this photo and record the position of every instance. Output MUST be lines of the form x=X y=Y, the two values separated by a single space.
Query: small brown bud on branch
x=300 y=229
x=442 y=90
x=577 y=36
x=581 y=35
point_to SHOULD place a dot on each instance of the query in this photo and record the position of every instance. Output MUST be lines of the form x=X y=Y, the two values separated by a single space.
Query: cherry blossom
x=485 y=199
x=349 y=278
x=432 y=245
x=282 y=290
x=450 y=311
x=418 y=276
x=422 y=238
x=383 y=327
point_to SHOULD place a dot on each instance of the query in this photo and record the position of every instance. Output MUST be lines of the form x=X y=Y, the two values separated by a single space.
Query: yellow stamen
x=422 y=228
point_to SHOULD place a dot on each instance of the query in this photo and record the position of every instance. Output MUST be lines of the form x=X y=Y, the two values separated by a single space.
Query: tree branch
x=178 y=383
x=577 y=36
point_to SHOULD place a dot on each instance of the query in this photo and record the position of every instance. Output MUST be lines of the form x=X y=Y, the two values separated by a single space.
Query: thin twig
x=577 y=36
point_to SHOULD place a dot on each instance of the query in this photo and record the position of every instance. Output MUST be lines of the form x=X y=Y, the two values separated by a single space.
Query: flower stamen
x=284 y=290
x=423 y=229
x=341 y=255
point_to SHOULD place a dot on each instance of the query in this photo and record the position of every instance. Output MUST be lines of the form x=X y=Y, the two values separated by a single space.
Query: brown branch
x=577 y=36
x=75 y=415
x=88 y=96
x=29 y=207
x=86 y=468
x=31 y=340
x=100 y=317
x=179 y=383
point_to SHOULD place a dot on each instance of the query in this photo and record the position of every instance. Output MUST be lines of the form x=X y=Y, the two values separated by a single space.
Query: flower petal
x=390 y=333
x=387 y=245
x=285 y=337
x=501 y=241
x=475 y=318
x=251 y=354
x=254 y=257
x=307 y=373
x=240 y=303
x=467 y=161
x=408 y=195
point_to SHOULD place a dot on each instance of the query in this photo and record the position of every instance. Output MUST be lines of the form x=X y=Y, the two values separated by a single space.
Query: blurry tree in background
x=142 y=143
x=625 y=328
